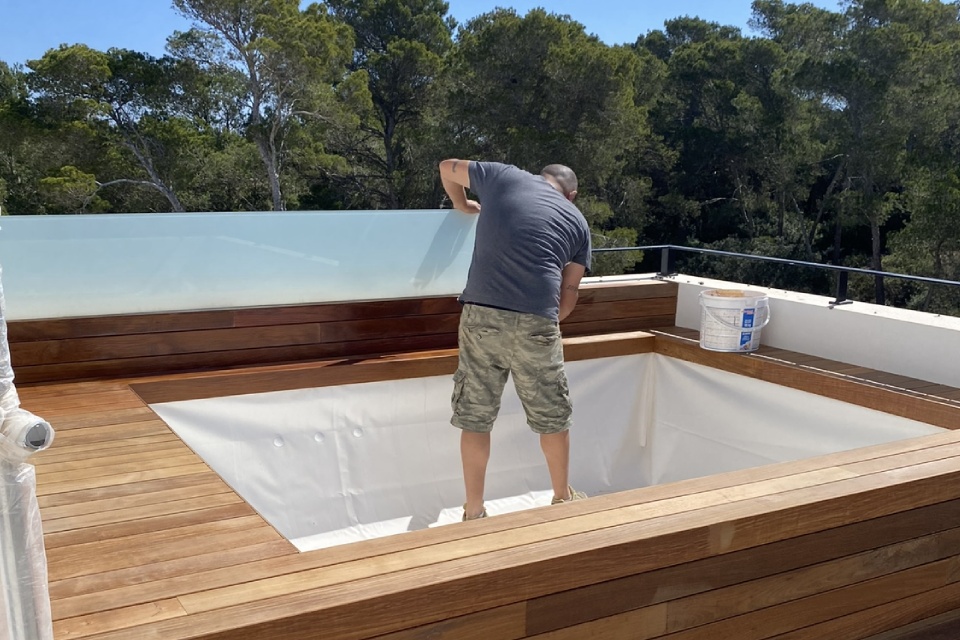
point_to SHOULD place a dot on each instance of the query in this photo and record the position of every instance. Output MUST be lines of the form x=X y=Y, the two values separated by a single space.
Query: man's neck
x=553 y=183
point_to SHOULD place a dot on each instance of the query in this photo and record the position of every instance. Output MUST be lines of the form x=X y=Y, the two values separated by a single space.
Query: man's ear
x=571 y=196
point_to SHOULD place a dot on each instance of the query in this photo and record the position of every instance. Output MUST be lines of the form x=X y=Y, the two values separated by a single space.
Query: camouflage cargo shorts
x=495 y=343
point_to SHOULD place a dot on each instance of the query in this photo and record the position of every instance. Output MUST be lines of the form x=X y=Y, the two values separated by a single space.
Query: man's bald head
x=563 y=176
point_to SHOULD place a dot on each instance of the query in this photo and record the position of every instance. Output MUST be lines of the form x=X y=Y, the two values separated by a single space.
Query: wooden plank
x=174 y=453
x=107 y=400
x=642 y=624
x=45 y=487
x=283 y=379
x=119 y=619
x=105 y=509
x=148 y=525
x=112 y=433
x=934 y=389
x=135 y=346
x=336 y=312
x=605 y=600
x=28 y=354
x=797 y=615
x=115 y=492
x=94 y=418
x=615 y=326
x=757 y=621
x=454 y=572
x=148 y=366
x=796 y=588
x=100 y=591
x=887 y=616
x=85 y=327
x=156 y=516
x=359 y=370
x=247 y=572
x=945 y=626
x=642 y=308
x=85 y=595
x=502 y=623
x=892 y=379
x=431 y=544
x=156 y=445
x=130 y=346
x=41 y=393
x=157 y=546
x=80 y=475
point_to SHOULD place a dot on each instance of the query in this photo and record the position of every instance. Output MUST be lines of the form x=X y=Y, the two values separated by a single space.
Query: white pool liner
x=334 y=465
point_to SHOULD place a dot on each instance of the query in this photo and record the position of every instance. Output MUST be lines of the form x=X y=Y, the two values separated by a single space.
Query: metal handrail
x=666 y=266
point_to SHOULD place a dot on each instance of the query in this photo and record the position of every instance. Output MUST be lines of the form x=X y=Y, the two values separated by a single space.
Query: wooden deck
x=144 y=541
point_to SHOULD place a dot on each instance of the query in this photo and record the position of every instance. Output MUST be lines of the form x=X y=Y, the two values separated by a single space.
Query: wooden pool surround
x=144 y=541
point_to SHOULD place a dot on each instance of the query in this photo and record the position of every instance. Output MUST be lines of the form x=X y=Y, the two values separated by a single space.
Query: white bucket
x=731 y=319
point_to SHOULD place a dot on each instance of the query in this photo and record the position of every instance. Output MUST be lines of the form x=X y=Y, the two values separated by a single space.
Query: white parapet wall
x=910 y=343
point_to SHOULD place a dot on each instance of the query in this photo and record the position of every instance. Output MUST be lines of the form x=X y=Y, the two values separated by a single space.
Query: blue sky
x=31 y=27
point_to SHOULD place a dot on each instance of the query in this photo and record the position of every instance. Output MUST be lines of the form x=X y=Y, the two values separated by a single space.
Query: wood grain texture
x=145 y=541
x=707 y=577
x=360 y=370
x=140 y=345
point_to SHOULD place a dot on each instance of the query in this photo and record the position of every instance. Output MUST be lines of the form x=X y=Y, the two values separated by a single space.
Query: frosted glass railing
x=87 y=265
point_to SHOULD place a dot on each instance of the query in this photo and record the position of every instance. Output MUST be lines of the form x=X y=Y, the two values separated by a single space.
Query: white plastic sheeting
x=709 y=421
x=24 y=595
x=25 y=614
x=338 y=464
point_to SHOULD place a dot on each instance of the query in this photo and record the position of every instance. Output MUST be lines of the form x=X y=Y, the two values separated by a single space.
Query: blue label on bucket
x=745 y=339
x=748 y=318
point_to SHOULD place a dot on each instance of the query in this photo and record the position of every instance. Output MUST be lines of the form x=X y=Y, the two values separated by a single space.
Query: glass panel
x=85 y=265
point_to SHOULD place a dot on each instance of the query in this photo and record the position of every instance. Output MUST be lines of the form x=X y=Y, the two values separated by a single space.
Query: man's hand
x=471 y=206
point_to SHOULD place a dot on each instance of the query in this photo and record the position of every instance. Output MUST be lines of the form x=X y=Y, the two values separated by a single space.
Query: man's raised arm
x=455 y=176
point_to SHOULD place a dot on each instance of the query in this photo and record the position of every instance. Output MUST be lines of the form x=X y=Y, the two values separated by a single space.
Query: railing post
x=841 y=290
x=666 y=263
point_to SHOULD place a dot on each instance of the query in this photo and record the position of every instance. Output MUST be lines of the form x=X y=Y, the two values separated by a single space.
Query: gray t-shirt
x=527 y=232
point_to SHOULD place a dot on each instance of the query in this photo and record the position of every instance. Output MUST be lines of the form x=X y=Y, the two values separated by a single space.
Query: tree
x=123 y=88
x=291 y=62
x=12 y=98
x=401 y=46
x=868 y=66
x=747 y=147
x=537 y=90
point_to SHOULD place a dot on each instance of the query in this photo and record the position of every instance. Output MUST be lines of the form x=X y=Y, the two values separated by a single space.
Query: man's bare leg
x=474 y=454
x=556 y=450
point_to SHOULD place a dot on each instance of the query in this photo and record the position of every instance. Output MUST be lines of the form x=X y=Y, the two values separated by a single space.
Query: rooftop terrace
x=840 y=523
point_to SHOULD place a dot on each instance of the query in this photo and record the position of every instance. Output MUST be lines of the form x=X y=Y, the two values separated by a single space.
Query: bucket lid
x=732 y=293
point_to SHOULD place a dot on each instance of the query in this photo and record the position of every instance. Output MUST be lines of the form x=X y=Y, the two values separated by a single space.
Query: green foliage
x=289 y=59
x=72 y=191
x=400 y=51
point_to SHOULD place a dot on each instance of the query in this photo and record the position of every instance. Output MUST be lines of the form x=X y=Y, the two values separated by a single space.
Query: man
x=532 y=249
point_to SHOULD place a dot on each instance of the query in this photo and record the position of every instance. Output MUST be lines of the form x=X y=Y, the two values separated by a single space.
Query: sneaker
x=574 y=495
x=483 y=514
